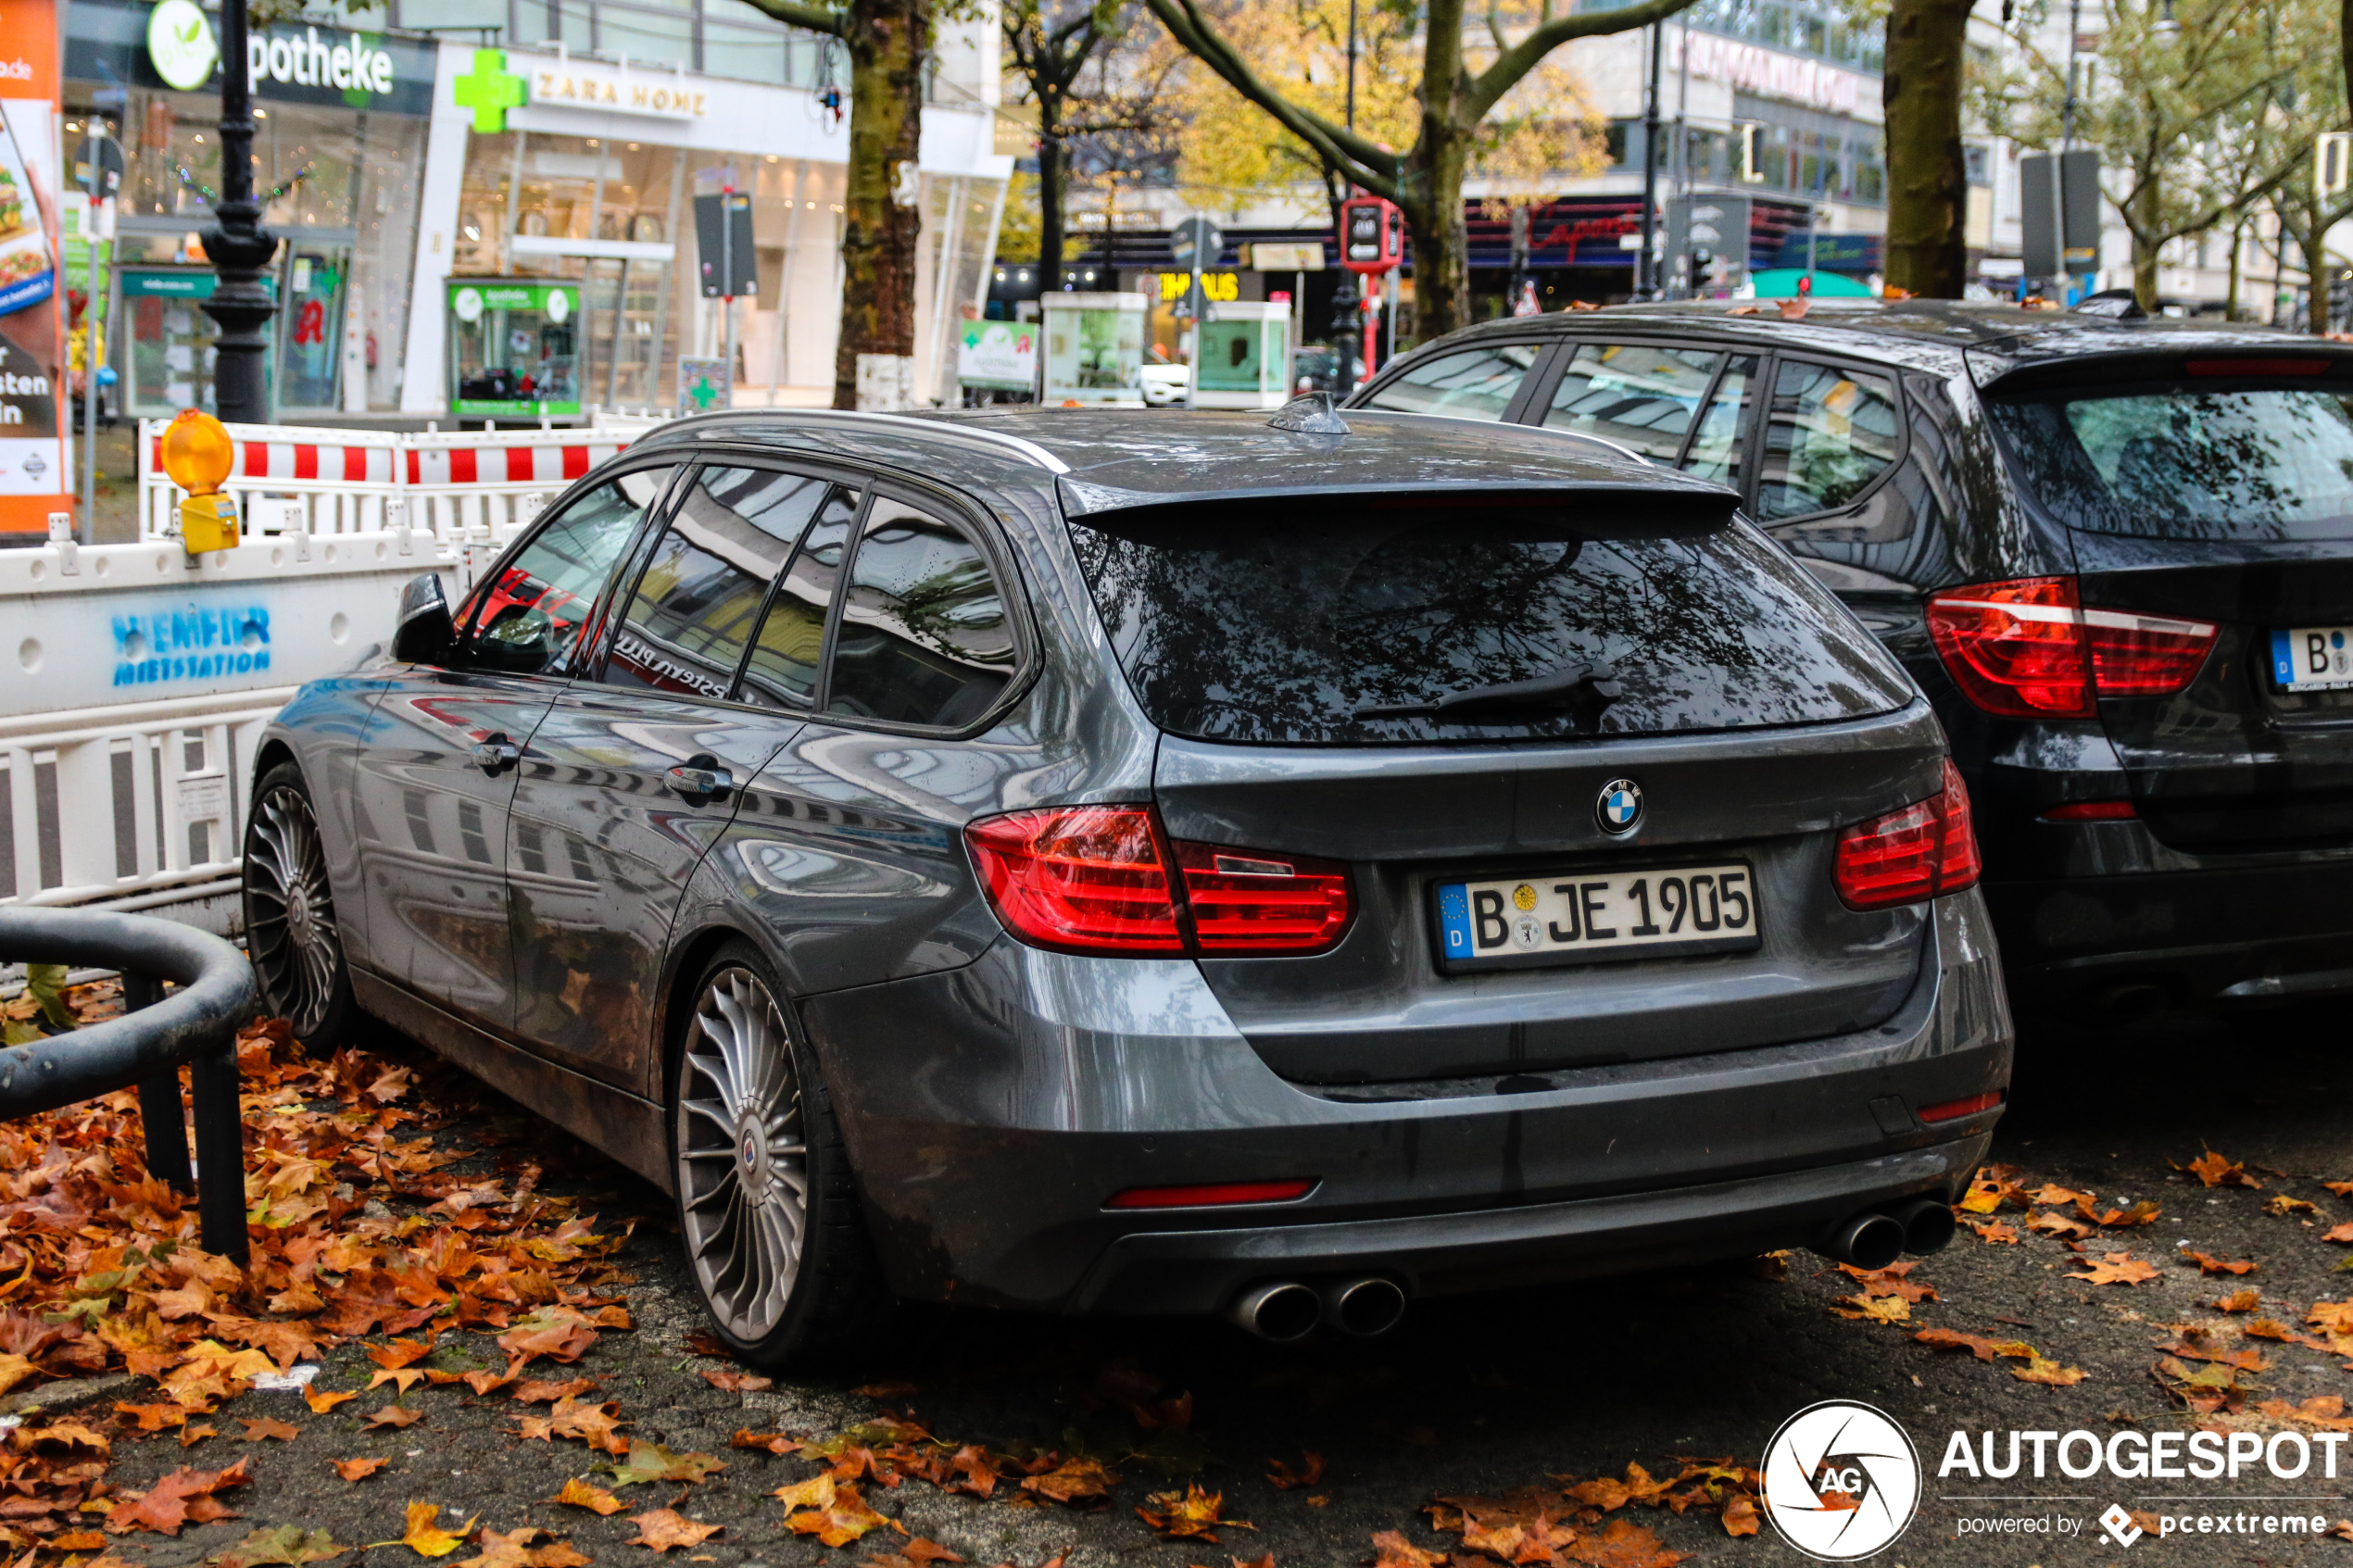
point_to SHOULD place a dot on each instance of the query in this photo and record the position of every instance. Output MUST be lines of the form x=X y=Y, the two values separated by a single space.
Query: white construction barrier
x=134 y=681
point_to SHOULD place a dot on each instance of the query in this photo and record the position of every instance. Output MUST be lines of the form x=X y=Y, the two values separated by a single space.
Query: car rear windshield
x=1279 y=631
x=2257 y=465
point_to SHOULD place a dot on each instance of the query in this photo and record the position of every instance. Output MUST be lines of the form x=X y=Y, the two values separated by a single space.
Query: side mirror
x=421 y=632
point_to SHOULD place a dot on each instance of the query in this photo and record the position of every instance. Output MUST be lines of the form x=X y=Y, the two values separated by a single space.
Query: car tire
x=768 y=1205
x=291 y=931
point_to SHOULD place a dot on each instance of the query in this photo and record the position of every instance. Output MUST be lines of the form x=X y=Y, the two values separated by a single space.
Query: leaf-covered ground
x=466 y=1340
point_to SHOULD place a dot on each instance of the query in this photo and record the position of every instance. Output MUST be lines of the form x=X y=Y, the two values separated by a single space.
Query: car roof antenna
x=1310 y=413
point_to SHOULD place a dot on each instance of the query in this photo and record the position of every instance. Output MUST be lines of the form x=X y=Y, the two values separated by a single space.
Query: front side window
x=1477 y=383
x=528 y=616
x=924 y=635
x=1636 y=396
x=699 y=597
x=1830 y=433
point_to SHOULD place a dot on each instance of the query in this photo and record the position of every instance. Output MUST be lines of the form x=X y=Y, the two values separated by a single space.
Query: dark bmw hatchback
x=1085 y=862
x=2118 y=555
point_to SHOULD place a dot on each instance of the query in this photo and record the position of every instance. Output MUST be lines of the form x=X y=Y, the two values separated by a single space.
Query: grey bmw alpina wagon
x=1088 y=863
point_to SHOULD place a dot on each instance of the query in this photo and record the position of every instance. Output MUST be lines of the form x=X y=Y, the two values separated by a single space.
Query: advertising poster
x=33 y=478
x=998 y=356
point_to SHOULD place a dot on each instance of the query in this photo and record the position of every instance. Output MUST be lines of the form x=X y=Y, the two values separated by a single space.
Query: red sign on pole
x=1372 y=235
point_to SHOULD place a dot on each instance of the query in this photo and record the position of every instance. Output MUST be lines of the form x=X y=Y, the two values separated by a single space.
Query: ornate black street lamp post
x=238 y=246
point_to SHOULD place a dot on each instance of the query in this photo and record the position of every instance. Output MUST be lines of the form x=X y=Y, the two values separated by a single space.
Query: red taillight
x=1085 y=879
x=1212 y=1194
x=2028 y=648
x=2091 y=811
x=1245 y=902
x=1954 y=1109
x=1924 y=849
x=1093 y=879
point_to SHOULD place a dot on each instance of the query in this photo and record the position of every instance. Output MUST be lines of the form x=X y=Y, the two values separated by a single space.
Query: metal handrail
x=195 y=1027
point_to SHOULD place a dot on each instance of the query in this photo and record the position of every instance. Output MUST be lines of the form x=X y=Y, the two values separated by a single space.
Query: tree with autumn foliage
x=1067 y=57
x=2201 y=109
x=1466 y=72
x=874 y=358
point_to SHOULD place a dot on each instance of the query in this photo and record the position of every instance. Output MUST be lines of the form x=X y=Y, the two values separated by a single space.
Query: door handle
x=496 y=753
x=700 y=777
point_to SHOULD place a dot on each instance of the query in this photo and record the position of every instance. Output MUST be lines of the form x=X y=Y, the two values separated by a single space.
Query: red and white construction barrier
x=467 y=488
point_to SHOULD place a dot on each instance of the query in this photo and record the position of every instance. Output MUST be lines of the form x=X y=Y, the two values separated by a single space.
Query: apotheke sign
x=184 y=49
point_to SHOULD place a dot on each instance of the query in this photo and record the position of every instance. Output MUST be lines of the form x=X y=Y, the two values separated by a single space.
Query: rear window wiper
x=1583 y=685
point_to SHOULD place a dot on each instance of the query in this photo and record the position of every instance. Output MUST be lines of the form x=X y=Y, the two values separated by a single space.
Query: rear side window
x=2187 y=464
x=1831 y=431
x=924 y=637
x=529 y=615
x=1477 y=383
x=1636 y=396
x=699 y=596
x=781 y=670
x=1282 y=631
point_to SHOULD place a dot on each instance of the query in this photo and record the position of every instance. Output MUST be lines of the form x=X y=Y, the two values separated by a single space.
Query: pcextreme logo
x=1842 y=1480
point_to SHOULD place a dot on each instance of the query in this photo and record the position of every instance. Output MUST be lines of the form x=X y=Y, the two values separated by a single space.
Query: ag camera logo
x=1841 y=1481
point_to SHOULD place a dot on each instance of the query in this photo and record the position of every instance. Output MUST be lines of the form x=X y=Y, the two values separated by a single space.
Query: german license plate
x=2313 y=658
x=1519 y=922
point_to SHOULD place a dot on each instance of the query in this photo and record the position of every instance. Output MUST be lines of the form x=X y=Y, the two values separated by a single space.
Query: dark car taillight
x=1242 y=901
x=1093 y=879
x=1919 y=851
x=2029 y=650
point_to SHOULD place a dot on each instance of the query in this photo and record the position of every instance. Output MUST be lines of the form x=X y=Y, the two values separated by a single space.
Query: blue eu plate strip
x=1453 y=918
x=2283 y=660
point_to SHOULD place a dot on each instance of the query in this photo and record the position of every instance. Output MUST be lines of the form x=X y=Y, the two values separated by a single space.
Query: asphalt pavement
x=1527 y=1400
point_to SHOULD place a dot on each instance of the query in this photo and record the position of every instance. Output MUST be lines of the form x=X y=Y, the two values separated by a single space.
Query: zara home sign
x=565 y=82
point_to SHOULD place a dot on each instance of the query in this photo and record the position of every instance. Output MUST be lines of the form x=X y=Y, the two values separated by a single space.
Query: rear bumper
x=1199 y=1271
x=2218 y=934
x=990 y=1111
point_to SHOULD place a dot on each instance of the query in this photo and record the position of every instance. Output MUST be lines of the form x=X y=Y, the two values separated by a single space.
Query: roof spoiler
x=2273 y=361
x=1668 y=505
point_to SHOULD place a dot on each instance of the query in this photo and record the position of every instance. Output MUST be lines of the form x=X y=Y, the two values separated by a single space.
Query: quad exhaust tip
x=1928 y=1226
x=1286 y=1312
x=1363 y=1307
x=1873 y=1239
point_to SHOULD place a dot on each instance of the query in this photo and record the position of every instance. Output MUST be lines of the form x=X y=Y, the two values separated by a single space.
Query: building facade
x=559 y=142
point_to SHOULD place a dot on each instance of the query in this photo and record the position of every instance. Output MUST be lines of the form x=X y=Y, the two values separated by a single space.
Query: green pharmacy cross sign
x=490 y=90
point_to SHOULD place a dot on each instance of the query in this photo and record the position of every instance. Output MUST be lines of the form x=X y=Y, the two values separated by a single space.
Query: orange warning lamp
x=198 y=454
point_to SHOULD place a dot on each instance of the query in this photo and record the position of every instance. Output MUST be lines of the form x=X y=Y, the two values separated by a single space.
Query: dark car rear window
x=2265 y=464
x=1280 y=633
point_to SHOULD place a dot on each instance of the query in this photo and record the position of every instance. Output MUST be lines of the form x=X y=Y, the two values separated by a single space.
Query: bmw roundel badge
x=1619 y=809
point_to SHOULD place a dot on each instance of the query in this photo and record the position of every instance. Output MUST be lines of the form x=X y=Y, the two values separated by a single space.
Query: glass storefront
x=617 y=217
x=342 y=177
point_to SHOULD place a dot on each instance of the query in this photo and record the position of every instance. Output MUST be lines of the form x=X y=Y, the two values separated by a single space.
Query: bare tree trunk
x=2238 y=246
x=1431 y=184
x=1049 y=211
x=1927 y=175
x=874 y=366
x=2146 y=241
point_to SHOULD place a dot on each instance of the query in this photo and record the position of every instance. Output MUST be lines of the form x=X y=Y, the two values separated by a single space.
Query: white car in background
x=1165 y=386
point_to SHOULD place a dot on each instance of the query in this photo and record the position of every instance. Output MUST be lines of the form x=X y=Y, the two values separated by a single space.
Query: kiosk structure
x=1094 y=349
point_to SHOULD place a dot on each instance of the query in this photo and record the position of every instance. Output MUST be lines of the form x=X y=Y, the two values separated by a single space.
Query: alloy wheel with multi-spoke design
x=743 y=1154
x=290 y=912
